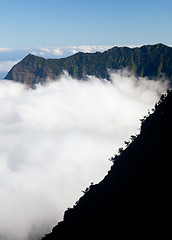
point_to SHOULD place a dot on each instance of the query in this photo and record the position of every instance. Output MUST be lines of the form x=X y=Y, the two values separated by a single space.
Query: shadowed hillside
x=134 y=201
x=151 y=61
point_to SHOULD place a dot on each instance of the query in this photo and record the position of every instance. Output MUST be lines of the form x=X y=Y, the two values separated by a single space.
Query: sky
x=56 y=29
x=54 y=23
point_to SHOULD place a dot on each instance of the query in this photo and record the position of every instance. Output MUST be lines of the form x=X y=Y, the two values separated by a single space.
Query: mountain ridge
x=147 y=61
x=133 y=201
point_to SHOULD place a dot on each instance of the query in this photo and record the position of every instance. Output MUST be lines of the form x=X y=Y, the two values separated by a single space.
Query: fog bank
x=57 y=139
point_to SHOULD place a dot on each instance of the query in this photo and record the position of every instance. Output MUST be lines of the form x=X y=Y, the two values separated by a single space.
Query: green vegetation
x=151 y=61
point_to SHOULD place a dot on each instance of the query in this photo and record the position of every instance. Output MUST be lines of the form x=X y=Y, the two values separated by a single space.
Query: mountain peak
x=30 y=58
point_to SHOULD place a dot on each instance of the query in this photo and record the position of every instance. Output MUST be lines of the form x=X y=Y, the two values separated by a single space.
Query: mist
x=57 y=139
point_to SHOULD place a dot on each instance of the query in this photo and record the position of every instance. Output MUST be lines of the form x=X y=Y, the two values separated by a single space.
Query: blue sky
x=50 y=23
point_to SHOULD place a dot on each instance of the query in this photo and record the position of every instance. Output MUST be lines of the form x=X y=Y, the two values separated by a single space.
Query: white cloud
x=56 y=140
x=58 y=52
x=5 y=49
x=54 y=52
x=67 y=51
x=47 y=50
x=87 y=49
x=5 y=66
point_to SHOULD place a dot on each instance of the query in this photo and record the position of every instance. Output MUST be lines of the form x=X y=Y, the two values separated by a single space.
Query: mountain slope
x=133 y=202
x=150 y=60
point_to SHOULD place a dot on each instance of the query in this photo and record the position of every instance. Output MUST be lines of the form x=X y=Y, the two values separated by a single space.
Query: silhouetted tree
x=133 y=137
x=126 y=143
x=120 y=150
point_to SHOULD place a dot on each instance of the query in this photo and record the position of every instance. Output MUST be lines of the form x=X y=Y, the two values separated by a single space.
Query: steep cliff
x=133 y=202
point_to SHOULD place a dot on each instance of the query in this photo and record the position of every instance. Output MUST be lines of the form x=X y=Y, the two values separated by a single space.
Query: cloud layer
x=48 y=52
x=56 y=140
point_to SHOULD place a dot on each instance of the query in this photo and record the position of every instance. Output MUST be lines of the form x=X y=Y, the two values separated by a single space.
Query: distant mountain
x=150 y=60
x=134 y=200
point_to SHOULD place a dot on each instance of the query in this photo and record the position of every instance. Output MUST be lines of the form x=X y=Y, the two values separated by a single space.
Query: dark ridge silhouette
x=150 y=60
x=134 y=200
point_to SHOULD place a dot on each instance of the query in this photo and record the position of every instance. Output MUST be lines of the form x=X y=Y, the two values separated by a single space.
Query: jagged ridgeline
x=149 y=60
